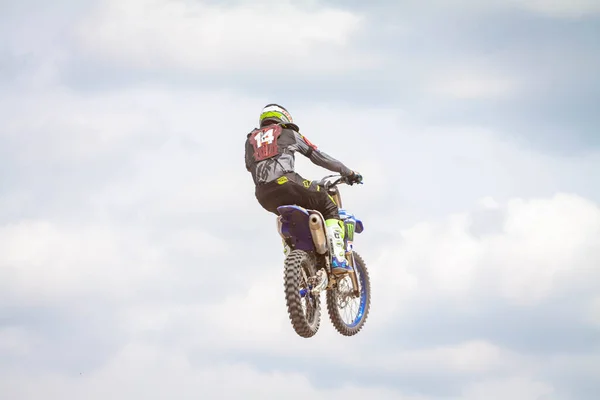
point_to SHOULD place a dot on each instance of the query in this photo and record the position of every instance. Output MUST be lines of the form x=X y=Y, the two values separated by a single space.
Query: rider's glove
x=355 y=177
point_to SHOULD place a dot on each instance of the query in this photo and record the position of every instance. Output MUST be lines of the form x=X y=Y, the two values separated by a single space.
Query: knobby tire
x=305 y=326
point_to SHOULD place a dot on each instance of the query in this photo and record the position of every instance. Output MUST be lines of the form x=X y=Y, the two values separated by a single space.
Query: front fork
x=348 y=244
x=349 y=225
x=352 y=273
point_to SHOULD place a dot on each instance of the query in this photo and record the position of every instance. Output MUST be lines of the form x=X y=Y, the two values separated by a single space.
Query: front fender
x=359 y=226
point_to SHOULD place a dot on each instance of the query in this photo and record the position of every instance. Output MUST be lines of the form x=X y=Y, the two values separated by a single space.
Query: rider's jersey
x=270 y=153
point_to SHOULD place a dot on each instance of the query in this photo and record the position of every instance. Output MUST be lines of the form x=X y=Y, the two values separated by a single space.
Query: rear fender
x=295 y=228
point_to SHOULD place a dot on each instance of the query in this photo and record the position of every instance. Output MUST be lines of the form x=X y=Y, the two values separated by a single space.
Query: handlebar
x=341 y=179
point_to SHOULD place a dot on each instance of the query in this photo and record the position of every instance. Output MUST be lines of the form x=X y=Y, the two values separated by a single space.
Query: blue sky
x=136 y=263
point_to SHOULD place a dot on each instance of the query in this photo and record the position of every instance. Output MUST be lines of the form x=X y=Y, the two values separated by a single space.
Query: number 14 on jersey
x=264 y=137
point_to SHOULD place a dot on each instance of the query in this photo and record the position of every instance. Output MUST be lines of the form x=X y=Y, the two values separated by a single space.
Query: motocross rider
x=270 y=159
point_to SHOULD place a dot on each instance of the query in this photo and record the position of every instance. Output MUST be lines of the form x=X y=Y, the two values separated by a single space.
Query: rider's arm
x=320 y=158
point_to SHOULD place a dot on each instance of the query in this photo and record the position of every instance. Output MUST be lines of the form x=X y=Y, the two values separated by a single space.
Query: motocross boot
x=339 y=264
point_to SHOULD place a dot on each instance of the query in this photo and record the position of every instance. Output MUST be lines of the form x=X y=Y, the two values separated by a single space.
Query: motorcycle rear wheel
x=299 y=266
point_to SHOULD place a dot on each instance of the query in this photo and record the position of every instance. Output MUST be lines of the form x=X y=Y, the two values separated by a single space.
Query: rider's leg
x=335 y=230
x=336 y=233
x=315 y=197
x=308 y=195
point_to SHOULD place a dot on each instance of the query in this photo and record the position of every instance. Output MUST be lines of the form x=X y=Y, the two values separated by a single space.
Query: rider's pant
x=293 y=189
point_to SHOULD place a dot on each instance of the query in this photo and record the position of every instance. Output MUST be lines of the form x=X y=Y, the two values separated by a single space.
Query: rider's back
x=269 y=169
x=282 y=160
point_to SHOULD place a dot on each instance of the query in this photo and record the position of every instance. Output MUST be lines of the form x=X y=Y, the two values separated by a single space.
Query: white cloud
x=145 y=371
x=550 y=8
x=16 y=342
x=592 y=314
x=471 y=86
x=471 y=79
x=186 y=263
x=73 y=128
x=561 y=8
x=470 y=357
x=543 y=247
x=198 y=36
x=517 y=388
x=489 y=203
x=41 y=262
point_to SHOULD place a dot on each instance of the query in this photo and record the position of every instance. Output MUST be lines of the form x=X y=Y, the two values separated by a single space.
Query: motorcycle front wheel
x=348 y=312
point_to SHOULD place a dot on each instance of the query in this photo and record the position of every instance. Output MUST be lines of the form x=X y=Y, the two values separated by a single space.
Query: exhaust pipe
x=317 y=231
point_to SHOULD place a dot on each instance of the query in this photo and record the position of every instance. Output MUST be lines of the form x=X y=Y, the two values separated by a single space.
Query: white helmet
x=274 y=114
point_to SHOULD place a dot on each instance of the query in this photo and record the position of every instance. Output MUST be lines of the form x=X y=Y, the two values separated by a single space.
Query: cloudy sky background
x=135 y=262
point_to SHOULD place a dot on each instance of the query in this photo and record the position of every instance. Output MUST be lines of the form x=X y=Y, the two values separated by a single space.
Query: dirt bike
x=307 y=274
